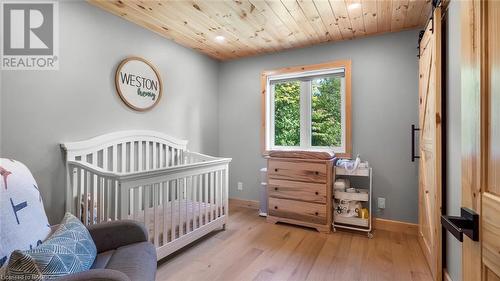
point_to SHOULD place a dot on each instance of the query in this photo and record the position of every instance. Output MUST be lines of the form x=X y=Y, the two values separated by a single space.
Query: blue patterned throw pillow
x=69 y=250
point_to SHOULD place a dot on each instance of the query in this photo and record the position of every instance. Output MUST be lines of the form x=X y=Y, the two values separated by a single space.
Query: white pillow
x=23 y=222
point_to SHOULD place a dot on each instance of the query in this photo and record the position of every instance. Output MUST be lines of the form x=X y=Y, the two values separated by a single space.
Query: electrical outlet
x=240 y=185
x=381 y=203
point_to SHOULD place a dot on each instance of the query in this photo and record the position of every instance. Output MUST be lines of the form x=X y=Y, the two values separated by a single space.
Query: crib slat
x=162 y=155
x=85 y=198
x=145 y=206
x=205 y=206
x=164 y=187
x=156 y=230
x=191 y=203
x=200 y=200
x=172 y=200
x=217 y=196
x=103 y=197
x=139 y=156
x=221 y=193
x=147 y=164
x=114 y=155
x=92 y=198
x=180 y=199
x=132 y=157
x=98 y=199
x=184 y=205
x=103 y=204
x=214 y=203
x=188 y=204
x=167 y=156
x=105 y=201
x=123 y=157
x=111 y=198
x=92 y=190
x=155 y=156
x=194 y=202
x=212 y=195
x=79 y=192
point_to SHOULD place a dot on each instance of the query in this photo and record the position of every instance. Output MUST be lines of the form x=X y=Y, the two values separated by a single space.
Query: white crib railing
x=178 y=195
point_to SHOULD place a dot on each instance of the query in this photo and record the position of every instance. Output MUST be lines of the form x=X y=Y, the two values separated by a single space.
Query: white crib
x=148 y=176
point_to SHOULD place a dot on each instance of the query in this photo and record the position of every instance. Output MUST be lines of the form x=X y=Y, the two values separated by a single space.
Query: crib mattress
x=176 y=218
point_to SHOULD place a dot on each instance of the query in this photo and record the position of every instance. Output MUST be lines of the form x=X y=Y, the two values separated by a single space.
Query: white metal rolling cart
x=364 y=195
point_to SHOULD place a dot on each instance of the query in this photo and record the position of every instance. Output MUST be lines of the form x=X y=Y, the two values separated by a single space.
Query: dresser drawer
x=297 y=171
x=296 y=190
x=297 y=210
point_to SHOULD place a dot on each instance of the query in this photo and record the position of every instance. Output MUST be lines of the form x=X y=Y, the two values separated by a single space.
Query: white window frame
x=305 y=111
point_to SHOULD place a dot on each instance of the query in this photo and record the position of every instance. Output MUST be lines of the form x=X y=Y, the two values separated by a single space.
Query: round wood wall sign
x=138 y=83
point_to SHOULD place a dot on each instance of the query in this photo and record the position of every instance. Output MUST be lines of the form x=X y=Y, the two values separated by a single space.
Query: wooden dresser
x=300 y=188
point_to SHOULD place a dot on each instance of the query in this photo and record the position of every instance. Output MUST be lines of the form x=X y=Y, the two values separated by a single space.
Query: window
x=307 y=108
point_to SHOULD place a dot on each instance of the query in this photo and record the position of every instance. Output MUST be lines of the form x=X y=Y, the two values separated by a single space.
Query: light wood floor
x=251 y=249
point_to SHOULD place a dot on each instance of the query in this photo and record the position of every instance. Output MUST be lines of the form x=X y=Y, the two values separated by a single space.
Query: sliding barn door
x=429 y=226
x=481 y=135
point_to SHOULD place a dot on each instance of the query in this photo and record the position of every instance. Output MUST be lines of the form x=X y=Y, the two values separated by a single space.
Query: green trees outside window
x=326 y=122
x=287 y=113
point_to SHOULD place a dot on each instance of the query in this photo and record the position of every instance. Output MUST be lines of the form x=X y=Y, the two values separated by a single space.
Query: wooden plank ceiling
x=228 y=29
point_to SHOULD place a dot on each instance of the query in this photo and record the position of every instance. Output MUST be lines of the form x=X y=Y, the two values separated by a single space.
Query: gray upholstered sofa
x=123 y=253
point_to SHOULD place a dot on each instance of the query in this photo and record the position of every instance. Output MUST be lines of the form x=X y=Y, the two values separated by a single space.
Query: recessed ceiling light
x=354 y=6
x=220 y=38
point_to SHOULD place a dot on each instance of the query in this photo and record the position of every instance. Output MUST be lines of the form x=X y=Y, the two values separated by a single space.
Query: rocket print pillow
x=23 y=222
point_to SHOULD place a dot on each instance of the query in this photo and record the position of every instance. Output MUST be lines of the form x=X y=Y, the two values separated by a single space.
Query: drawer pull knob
x=316 y=213
x=275 y=188
x=276 y=207
x=317 y=193
x=276 y=169
x=317 y=173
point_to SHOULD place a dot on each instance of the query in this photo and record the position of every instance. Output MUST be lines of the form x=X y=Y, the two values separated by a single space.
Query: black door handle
x=413 y=155
x=467 y=223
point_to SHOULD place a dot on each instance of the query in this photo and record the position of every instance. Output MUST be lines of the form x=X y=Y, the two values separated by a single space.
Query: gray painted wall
x=453 y=141
x=384 y=105
x=40 y=109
